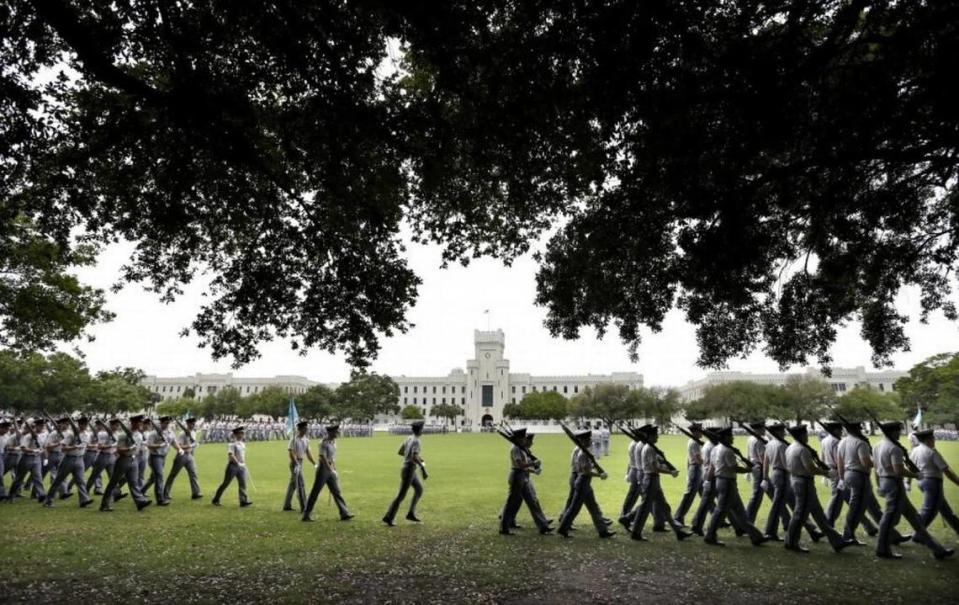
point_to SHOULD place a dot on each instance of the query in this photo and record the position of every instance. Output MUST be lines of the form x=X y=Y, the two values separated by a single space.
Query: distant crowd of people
x=428 y=429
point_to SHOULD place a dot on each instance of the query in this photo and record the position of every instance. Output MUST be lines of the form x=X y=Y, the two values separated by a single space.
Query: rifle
x=857 y=435
x=129 y=434
x=185 y=430
x=637 y=435
x=815 y=456
x=583 y=450
x=753 y=433
x=906 y=460
x=688 y=434
x=715 y=439
x=506 y=432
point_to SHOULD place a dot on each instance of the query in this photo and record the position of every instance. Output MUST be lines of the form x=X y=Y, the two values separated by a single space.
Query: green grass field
x=192 y=551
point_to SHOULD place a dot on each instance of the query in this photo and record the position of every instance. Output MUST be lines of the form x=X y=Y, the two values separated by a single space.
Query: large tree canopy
x=774 y=169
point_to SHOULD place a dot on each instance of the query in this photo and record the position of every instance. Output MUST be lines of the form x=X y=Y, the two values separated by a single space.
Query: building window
x=554 y=388
x=424 y=411
x=406 y=389
x=513 y=389
x=434 y=401
x=524 y=390
x=565 y=389
x=463 y=400
x=444 y=390
x=882 y=387
x=462 y=390
x=512 y=400
x=414 y=401
x=487 y=399
x=414 y=389
x=443 y=401
x=434 y=390
x=404 y=401
x=576 y=388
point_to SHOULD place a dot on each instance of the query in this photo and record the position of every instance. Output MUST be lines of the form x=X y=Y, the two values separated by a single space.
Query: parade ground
x=192 y=551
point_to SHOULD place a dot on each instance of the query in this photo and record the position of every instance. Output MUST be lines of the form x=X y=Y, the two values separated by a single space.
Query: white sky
x=450 y=306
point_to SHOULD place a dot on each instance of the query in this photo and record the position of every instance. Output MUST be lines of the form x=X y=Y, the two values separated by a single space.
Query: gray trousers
x=730 y=505
x=934 y=503
x=583 y=496
x=326 y=476
x=156 y=462
x=707 y=503
x=861 y=500
x=632 y=494
x=297 y=486
x=408 y=479
x=233 y=470
x=103 y=462
x=521 y=491
x=898 y=506
x=836 y=497
x=30 y=464
x=652 y=496
x=141 y=462
x=53 y=467
x=72 y=467
x=694 y=486
x=10 y=462
x=180 y=462
x=125 y=470
x=756 y=498
x=3 y=471
x=807 y=505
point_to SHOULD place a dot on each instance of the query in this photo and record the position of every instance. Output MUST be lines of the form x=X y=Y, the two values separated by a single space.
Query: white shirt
x=799 y=461
x=693 y=451
x=299 y=446
x=930 y=462
x=723 y=460
x=829 y=446
x=776 y=452
x=886 y=455
x=238 y=449
x=853 y=451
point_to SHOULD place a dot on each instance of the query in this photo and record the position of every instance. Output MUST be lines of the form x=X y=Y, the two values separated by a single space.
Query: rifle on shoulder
x=584 y=450
x=639 y=436
x=906 y=460
x=750 y=465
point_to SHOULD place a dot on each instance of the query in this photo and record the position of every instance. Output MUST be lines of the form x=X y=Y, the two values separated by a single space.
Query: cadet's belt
x=798 y=476
x=856 y=470
x=780 y=468
x=156 y=455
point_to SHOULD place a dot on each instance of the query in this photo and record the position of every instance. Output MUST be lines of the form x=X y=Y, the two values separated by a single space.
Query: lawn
x=192 y=551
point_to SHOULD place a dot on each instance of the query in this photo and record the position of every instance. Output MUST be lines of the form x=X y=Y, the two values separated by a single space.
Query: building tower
x=488 y=378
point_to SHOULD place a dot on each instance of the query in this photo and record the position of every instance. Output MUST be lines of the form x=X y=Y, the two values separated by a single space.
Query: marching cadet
x=11 y=450
x=854 y=465
x=888 y=456
x=146 y=433
x=31 y=453
x=410 y=450
x=235 y=467
x=694 y=472
x=298 y=449
x=776 y=479
x=723 y=470
x=530 y=497
x=126 y=469
x=89 y=440
x=71 y=465
x=519 y=491
x=52 y=447
x=106 y=454
x=158 y=444
x=653 y=495
x=707 y=498
x=4 y=439
x=184 y=460
x=583 y=490
x=932 y=467
x=803 y=470
x=326 y=475
x=755 y=450
x=632 y=478
x=830 y=446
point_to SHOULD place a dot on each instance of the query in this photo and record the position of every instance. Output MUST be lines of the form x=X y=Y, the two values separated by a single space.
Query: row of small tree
x=362 y=398
x=62 y=383
x=614 y=401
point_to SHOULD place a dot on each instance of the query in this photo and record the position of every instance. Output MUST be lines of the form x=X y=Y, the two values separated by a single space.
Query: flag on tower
x=292 y=417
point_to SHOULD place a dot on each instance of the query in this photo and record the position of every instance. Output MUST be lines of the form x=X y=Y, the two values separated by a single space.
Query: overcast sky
x=450 y=306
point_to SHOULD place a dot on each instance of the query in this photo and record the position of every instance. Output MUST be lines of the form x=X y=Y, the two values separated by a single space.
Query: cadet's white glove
x=603 y=476
x=764 y=484
x=841 y=485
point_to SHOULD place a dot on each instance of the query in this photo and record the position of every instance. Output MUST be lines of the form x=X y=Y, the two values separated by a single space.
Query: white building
x=842 y=380
x=481 y=390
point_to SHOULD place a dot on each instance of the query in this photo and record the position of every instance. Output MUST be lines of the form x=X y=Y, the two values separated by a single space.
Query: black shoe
x=549 y=521
x=638 y=538
x=770 y=538
x=196 y=497
x=66 y=496
x=889 y=555
x=106 y=510
x=86 y=503
x=797 y=548
x=713 y=542
x=855 y=542
x=506 y=532
x=872 y=532
x=563 y=533
x=308 y=518
x=215 y=502
x=698 y=531
x=624 y=521
x=546 y=531
x=120 y=497
x=902 y=539
x=660 y=530
x=844 y=544
x=682 y=535
x=47 y=503
x=413 y=518
x=245 y=504
x=607 y=534
x=679 y=522
x=514 y=526
x=759 y=541
x=98 y=492
x=144 y=504
x=389 y=522
x=817 y=536
x=945 y=553
x=571 y=528
x=163 y=503
x=347 y=517
x=288 y=509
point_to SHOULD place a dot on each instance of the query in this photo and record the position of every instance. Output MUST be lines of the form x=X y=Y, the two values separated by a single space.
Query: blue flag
x=292 y=417
x=917 y=421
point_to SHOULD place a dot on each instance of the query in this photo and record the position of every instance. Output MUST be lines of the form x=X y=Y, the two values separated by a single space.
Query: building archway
x=487 y=420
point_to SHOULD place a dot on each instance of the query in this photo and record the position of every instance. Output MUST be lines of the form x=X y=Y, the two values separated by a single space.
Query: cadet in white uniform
x=583 y=491
x=126 y=470
x=694 y=472
x=755 y=451
x=411 y=460
x=803 y=470
x=185 y=460
x=652 y=466
x=31 y=463
x=854 y=464
x=235 y=467
x=158 y=445
x=298 y=449
x=707 y=499
x=106 y=454
x=71 y=465
x=932 y=468
x=326 y=475
x=729 y=504
x=830 y=445
x=520 y=490
x=632 y=479
x=889 y=457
